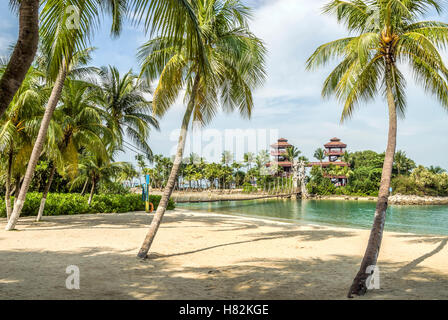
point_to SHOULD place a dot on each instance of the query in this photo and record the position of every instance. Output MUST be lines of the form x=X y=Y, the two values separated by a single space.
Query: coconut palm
x=128 y=173
x=292 y=153
x=400 y=160
x=23 y=55
x=130 y=113
x=249 y=158
x=235 y=66
x=18 y=128
x=97 y=168
x=385 y=36
x=319 y=154
x=141 y=164
x=62 y=42
x=79 y=125
x=226 y=157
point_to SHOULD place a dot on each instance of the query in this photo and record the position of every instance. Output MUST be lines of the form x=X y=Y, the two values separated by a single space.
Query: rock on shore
x=417 y=200
x=397 y=199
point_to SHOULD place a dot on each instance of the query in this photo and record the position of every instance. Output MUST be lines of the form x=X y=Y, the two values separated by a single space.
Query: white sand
x=208 y=256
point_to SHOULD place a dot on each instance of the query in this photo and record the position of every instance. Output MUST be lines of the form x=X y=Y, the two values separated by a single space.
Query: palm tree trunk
x=155 y=223
x=17 y=188
x=38 y=146
x=23 y=54
x=84 y=187
x=359 y=285
x=92 y=191
x=44 y=195
x=8 y=186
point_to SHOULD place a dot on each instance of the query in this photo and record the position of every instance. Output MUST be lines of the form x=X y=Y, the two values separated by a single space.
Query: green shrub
x=73 y=203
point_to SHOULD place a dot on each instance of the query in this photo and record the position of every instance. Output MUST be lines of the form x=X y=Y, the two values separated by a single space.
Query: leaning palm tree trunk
x=155 y=223
x=45 y=193
x=38 y=146
x=359 y=285
x=84 y=187
x=92 y=191
x=8 y=187
x=23 y=54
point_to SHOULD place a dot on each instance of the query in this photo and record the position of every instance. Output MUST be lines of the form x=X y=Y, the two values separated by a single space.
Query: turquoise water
x=355 y=214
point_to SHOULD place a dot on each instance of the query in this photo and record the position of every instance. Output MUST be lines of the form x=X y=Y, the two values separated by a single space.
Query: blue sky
x=290 y=100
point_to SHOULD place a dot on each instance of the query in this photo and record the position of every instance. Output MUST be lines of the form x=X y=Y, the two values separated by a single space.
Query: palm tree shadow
x=307 y=235
x=410 y=266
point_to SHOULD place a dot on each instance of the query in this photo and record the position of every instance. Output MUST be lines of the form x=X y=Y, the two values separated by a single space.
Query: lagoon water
x=354 y=214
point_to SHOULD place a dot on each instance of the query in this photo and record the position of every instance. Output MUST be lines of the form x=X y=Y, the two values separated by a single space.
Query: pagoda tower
x=278 y=153
x=334 y=149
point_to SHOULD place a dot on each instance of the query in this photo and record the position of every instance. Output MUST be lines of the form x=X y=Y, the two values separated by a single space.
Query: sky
x=289 y=104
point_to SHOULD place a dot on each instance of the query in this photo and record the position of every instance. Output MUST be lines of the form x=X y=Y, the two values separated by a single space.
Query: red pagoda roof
x=335 y=143
x=282 y=142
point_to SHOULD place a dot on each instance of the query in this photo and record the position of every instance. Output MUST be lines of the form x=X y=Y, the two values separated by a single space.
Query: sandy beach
x=210 y=256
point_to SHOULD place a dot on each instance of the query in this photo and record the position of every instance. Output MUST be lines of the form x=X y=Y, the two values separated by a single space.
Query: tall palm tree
x=141 y=164
x=292 y=153
x=249 y=158
x=79 y=123
x=128 y=173
x=400 y=160
x=97 y=168
x=226 y=157
x=319 y=154
x=385 y=33
x=24 y=51
x=61 y=44
x=235 y=66
x=123 y=98
x=18 y=127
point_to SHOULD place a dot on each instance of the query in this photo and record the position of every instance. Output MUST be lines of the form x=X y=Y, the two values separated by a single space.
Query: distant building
x=278 y=153
x=334 y=149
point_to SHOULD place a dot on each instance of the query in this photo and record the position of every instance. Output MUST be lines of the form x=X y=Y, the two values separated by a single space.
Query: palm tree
x=235 y=66
x=385 y=33
x=18 y=128
x=319 y=154
x=123 y=98
x=98 y=168
x=63 y=46
x=226 y=157
x=141 y=164
x=78 y=122
x=436 y=170
x=249 y=158
x=400 y=160
x=23 y=55
x=292 y=153
x=127 y=173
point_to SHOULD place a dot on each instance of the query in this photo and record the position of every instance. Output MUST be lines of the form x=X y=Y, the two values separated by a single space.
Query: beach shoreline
x=230 y=195
x=199 y=255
